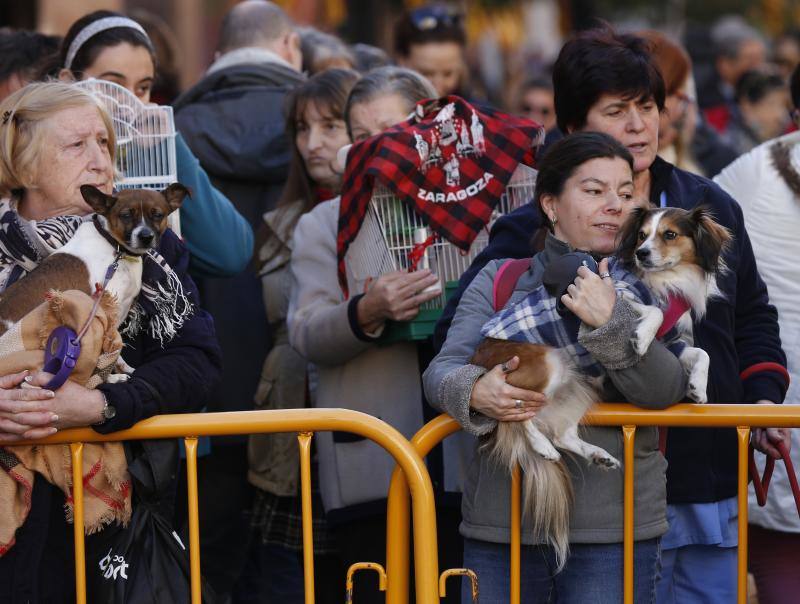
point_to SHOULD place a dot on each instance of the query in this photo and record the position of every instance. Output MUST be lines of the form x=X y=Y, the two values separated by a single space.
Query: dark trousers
x=775 y=563
x=364 y=540
x=274 y=575
x=40 y=567
x=224 y=501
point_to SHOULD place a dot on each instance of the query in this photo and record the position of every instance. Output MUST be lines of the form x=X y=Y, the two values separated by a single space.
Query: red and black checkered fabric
x=411 y=159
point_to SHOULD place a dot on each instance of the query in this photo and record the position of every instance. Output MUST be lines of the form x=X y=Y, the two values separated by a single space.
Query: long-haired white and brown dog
x=677 y=254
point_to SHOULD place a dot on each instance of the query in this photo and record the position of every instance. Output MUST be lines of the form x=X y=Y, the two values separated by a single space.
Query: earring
x=553 y=220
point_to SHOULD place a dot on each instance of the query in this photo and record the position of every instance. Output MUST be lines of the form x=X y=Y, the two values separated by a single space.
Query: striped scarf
x=535 y=319
x=162 y=306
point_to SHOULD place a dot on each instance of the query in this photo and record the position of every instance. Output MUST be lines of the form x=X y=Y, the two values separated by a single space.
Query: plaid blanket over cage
x=450 y=161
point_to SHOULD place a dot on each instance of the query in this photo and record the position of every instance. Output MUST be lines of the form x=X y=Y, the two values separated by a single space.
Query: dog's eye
x=670 y=235
x=157 y=215
x=642 y=236
x=125 y=214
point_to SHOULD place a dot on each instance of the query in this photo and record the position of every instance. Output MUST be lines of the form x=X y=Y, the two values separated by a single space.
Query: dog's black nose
x=146 y=236
x=642 y=253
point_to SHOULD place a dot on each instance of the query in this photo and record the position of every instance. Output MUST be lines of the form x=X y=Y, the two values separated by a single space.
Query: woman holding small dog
x=55 y=138
x=584 y=191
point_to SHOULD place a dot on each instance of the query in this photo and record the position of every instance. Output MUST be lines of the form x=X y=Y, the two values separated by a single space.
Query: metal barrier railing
x=303 y=421
x=743 y=417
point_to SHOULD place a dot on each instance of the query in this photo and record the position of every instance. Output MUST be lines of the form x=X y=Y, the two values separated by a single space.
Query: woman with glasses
x=431 y=40
x=534 y=100
x=763 y=101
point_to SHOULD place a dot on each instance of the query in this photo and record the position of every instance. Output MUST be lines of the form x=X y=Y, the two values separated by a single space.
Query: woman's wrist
x=368 y=316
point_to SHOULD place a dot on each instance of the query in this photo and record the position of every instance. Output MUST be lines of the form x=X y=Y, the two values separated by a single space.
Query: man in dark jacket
x=233 y=120
x=607 y=82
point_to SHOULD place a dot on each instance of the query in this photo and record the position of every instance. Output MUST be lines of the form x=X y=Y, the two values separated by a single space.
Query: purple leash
x=64 y=346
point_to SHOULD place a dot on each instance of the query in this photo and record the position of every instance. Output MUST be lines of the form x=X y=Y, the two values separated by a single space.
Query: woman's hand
x=592 y=297
x=74 y=405
x=493 y=397
x=767 y=439
x=24 y=412
x=396 y=296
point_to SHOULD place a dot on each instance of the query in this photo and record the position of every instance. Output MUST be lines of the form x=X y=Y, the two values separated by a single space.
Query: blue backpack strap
x=505 y=280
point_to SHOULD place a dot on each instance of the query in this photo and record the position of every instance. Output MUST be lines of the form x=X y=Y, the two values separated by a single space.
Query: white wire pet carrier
x=391 y=230
x=145 y=140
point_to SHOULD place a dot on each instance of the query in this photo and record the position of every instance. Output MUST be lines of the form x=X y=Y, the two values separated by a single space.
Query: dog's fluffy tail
x=546 y=488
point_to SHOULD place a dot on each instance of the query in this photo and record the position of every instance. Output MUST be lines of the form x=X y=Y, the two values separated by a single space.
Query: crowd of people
x=261 y=317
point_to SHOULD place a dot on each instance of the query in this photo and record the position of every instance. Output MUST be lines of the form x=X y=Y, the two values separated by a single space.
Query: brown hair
x=671 y=59
x=328 y=92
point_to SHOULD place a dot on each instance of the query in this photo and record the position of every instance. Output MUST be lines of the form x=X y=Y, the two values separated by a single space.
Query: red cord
x=761 y=483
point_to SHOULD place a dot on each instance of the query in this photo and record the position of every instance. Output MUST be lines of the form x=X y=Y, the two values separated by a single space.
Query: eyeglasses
x=435 y=16
x=540 y=109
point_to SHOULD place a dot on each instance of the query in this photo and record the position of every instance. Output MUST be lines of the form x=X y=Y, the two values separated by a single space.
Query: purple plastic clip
x=60 y=355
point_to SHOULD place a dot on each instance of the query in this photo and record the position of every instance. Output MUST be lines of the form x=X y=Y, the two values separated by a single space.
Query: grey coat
x=354 y=371
x=654 y=381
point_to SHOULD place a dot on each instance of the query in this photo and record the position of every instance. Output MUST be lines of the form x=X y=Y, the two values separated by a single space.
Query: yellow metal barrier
x=304 y=421
x=743 y=417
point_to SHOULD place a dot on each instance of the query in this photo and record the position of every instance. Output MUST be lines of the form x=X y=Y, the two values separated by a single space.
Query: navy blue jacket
x=740 y=333
x=175 y=378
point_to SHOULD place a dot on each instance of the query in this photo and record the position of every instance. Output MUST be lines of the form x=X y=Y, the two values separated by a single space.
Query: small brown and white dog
x=131 y=222
x=533 y=443
x=676 y=253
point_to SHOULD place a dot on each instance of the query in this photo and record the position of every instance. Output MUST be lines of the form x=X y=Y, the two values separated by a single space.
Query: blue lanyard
x=663 y=199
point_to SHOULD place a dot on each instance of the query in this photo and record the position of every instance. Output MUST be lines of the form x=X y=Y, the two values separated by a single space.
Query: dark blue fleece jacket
x=175 y=378
x=740 y=333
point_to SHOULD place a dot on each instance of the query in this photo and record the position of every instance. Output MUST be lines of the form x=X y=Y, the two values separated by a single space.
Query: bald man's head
x=253 y=23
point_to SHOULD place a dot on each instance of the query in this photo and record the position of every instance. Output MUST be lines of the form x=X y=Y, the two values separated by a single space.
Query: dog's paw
x=697 y=393
x=546 y=450
x=605 y=461
x=118 y=378
x=550 y=455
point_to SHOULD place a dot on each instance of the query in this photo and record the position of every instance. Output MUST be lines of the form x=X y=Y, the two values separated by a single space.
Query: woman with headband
x=109 y=46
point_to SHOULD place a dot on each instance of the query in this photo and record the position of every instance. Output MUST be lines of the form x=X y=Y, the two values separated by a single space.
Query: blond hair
x=22 y=135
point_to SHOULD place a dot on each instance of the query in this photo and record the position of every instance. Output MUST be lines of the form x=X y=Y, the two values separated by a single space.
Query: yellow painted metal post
x=426 y=562
x=398 y=539
x=358 y=566
x=516 y=532
x=304 y=442
x=398 y=512
x=194 y=517
x=76 y=451
x=459 y=572
x=743 y=433
x=628 y=434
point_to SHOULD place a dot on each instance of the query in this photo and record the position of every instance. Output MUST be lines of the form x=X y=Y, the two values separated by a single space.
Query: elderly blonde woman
x=53 y=139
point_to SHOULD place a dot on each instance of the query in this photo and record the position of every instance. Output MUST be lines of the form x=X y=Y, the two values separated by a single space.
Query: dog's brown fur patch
x=58 y=271
x=532 y=373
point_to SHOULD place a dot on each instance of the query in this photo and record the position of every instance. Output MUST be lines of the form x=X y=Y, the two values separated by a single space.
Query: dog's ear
x=628 y=237
x=97 y=200
x=711 y=239
x=174 y=194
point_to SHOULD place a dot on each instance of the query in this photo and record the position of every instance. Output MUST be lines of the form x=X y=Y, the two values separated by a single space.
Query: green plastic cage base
x=419 y=328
